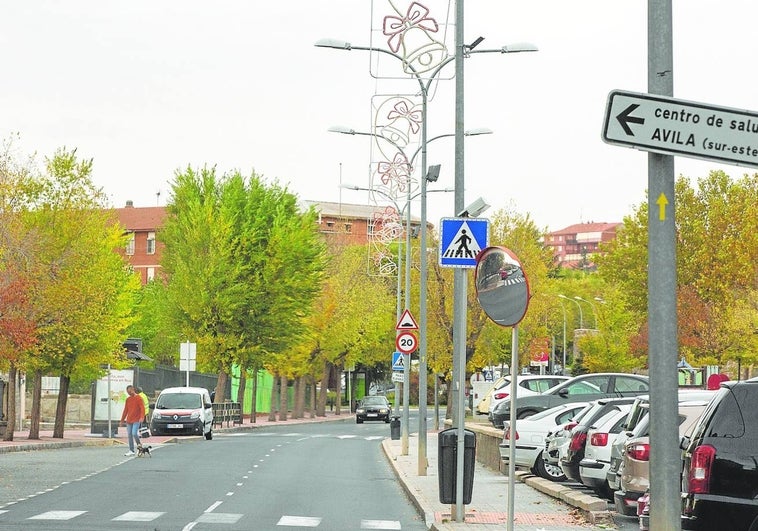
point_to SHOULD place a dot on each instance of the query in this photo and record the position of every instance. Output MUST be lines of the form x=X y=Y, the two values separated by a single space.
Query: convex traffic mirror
x=501 y=286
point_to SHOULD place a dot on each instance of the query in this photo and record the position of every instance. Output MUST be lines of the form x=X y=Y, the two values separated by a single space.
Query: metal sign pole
x=663 y=346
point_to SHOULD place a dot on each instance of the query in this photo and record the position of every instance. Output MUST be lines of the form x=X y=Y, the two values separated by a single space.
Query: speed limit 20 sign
x=406 y=342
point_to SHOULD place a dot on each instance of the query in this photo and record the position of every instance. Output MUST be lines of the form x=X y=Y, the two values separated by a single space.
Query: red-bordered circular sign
x=406 y=342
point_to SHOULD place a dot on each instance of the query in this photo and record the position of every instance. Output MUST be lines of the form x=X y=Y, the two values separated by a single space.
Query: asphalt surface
x=540 y=505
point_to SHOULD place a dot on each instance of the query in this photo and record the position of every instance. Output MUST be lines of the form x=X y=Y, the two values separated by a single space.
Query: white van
x=183 y=410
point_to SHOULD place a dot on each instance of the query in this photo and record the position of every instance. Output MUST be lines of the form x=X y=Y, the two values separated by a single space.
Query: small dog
x=143 y=451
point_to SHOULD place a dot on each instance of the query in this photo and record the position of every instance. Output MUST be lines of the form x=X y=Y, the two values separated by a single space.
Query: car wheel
x=604 y=491
x=548 y=471
x=209 y=435
x=387 y=420
x=358 y=421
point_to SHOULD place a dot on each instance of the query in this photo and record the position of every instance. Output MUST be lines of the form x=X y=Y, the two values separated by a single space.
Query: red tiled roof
x=588 y=227
x=141 y=219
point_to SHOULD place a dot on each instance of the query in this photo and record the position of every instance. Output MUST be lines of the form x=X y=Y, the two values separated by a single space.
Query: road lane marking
x=138 y=516
x=219 y=518
x=57 y=515
x=299 y=521
x=212 y=507
x=380 y=524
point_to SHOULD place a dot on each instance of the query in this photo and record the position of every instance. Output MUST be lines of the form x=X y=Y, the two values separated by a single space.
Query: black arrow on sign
x=624 y=118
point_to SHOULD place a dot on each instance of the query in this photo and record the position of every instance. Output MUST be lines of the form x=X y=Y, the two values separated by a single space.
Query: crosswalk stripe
x=138 y=516
x=299 y=521
x=219 y=518
x=57 y=515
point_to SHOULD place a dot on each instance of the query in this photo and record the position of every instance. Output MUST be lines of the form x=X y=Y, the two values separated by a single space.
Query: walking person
x=133 y=415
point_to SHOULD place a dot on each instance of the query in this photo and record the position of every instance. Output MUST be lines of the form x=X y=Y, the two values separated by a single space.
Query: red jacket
x=134 y=409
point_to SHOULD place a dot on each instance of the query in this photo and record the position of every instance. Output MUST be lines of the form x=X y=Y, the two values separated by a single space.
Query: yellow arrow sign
x=662 y=202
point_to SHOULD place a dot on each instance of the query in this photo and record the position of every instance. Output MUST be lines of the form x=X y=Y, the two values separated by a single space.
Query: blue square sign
x=461 y=240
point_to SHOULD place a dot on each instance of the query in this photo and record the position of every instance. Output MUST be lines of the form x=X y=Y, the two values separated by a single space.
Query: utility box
x=447 y=462
x=395 y=428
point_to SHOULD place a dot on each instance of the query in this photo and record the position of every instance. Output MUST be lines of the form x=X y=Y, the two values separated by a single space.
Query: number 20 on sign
x=406 y=342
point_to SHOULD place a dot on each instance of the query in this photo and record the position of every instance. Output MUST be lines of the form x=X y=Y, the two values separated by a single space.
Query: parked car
x=638 y=412
x=719 y=474
x=183 y=410
x=373 y=408
x=584 y=388
x=634 y=471
x=556 y=442
x=594 y=465
x=483 y=407
x=601 y=412
x=528 y=385
x=530 y=439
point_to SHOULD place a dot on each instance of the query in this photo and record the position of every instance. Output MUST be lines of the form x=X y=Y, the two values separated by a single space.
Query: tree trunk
x=321 y=406
x=299 y=411
x=313 y=396
x=338 y=393
x=60 y=409
x=283 y=399
x=241 y=388
x=254 y=409
x=223 y=377
x=274 y=396
x=36 y=405
x=10 y=426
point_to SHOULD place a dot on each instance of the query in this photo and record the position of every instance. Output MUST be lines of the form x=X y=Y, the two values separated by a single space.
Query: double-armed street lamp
x=594 y=310
x=425 y=80
x=581 y=316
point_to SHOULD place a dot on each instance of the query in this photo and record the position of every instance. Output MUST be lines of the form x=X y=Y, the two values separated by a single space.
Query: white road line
x=213 y=507
x=219 y=518
x=299 y=521
x=57 y=515
x=380 y=524
x=138 y=516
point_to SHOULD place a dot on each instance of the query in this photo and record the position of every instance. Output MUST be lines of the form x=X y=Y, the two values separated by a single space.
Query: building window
x=348 y=227
x=150 y=274
x=130 y=244
x=150 y=243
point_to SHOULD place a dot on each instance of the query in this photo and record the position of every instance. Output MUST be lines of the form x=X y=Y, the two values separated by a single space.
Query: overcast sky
x=145 y=88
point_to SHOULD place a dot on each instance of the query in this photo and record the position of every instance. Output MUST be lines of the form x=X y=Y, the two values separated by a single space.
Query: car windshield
x=179 y=401
x=374 y=401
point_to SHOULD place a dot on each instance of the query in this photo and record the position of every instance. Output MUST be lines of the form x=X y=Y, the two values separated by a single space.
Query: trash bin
x=395 y=428
x=447 y=462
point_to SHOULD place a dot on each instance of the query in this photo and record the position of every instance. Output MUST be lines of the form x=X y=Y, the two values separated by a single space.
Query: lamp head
x=341 y=129
x=518 y=47
x=333 y=43
x=433 y=173
x=474 y=209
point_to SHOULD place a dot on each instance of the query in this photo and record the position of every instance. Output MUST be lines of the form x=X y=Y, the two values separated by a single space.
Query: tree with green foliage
x=717 y=242
x=243 y=265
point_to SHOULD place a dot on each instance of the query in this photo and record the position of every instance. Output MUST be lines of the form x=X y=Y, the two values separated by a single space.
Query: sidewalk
x=538 y=504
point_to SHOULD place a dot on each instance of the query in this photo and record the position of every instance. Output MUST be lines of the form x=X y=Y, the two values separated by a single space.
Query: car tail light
x=699 y=477
x=639 y=452
x=577 y=441
x=500 y=396
x=599 y=439
x=570 y=426
x=507 y=434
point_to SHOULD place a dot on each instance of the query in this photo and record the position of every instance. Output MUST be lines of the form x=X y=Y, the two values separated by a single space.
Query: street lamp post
x=581 y=316
x=424 y=84
x=594 y=311
x=563 y=310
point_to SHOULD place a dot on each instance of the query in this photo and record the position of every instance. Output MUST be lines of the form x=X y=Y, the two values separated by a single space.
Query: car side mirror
x=684 y=442
x=563 y=393
x=151 y=406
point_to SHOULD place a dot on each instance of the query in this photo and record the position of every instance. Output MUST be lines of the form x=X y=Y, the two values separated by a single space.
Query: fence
x=227 y=412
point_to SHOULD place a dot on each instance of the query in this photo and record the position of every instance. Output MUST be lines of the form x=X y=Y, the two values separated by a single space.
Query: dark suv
x=720 y=468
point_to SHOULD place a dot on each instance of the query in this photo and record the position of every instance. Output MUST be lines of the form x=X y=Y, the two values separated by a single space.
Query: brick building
x=574 y=246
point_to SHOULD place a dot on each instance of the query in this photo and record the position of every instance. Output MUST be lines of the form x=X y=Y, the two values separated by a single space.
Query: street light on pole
x=425 y=82
x=581 y=317
x=563 y=310
x=594 y=310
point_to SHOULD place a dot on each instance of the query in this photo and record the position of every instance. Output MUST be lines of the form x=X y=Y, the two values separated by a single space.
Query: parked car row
x=605 y=445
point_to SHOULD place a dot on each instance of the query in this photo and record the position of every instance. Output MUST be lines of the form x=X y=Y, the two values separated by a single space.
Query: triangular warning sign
x=463 y=244
x=406 y=322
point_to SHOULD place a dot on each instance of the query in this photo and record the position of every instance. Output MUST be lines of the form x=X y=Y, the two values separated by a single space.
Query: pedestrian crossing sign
x=397 y=361
x=461 y=240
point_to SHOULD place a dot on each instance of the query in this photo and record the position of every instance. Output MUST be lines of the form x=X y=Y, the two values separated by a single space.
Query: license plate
x=175 y=426
x=372 y=415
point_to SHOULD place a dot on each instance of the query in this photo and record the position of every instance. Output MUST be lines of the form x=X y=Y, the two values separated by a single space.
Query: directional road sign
x=461 y=239
x=406 y=342
x=677 y=127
